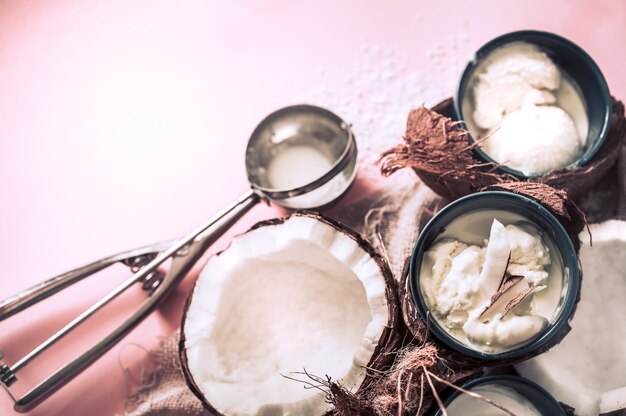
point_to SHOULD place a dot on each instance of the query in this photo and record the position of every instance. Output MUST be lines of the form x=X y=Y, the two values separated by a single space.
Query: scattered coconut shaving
x=519 y=298
x=508 y=287
x=439 y=151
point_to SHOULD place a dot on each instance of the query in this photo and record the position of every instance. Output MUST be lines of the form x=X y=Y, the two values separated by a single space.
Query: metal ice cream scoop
x=299 y=126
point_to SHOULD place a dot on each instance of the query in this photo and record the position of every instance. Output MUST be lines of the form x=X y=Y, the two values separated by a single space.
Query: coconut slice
x=509 y=290
x=587 y=371
x=302 y=294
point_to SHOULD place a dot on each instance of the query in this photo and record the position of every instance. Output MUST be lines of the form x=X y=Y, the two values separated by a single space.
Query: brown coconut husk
x=411 y=387
x=389 y=343
x=554 y=200
x=438 y=150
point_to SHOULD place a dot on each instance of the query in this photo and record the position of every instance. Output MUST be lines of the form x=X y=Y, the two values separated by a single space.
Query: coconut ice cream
x=527 y=112
x=488 y=295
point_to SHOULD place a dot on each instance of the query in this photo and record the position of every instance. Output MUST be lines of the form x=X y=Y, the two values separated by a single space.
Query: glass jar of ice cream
x=495 y=276
x=534 y=102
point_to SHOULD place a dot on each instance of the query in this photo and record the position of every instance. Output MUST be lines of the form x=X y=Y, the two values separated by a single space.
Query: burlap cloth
x=390 y=217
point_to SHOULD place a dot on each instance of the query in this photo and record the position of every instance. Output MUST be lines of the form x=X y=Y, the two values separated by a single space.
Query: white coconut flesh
x=284 y=298
x=587 y=370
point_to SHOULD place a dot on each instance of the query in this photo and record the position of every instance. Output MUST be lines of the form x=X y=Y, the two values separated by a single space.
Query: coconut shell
x=438 y=150
x=554 y=200
x=390 y=340
x=184 y=363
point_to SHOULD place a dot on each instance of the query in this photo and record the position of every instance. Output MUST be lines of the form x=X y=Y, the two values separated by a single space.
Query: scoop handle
x=185 y=252
x=45 y=289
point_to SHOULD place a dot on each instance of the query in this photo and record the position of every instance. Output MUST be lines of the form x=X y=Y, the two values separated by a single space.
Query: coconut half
x=302 y=294
x=587 y=371
x=437 y=149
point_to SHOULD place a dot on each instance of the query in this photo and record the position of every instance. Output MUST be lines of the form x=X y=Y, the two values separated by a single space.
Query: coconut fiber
x=437 y=148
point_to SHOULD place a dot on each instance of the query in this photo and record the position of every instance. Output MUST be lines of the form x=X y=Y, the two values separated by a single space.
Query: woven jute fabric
x=164 y=391
x=390 y=217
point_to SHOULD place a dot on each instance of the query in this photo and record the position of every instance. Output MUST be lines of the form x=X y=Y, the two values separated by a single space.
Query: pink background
x=124 y=122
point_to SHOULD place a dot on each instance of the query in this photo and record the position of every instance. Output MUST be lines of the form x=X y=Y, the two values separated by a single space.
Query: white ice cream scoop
x=533 y=70
x=511 y=74
x=535 y=139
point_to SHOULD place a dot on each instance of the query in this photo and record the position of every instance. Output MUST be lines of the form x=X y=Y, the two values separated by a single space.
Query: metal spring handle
x=184 y=253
